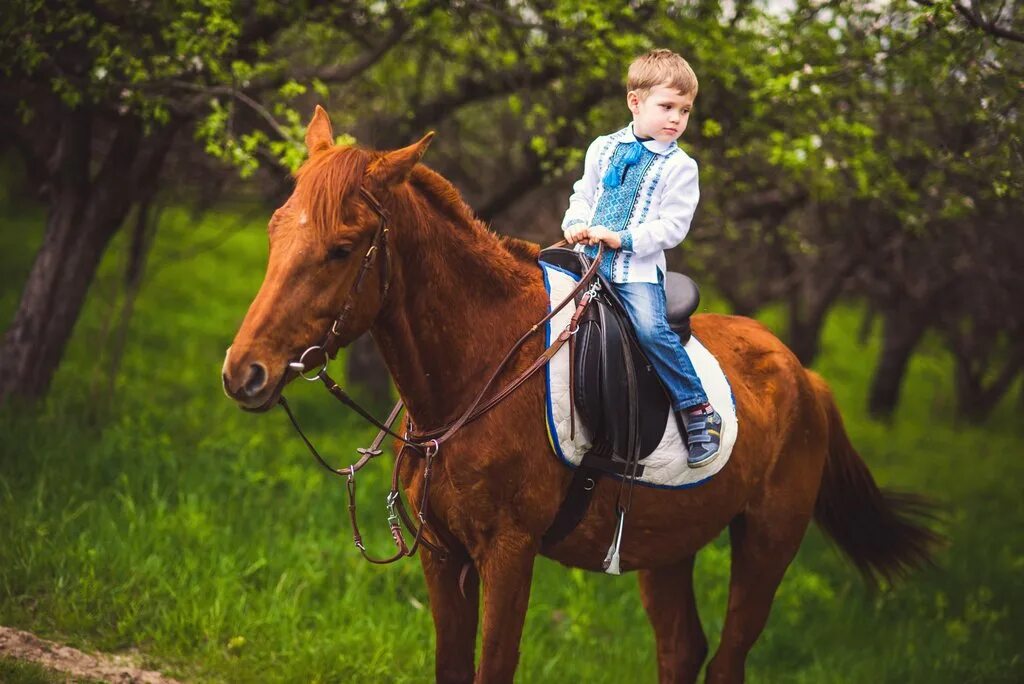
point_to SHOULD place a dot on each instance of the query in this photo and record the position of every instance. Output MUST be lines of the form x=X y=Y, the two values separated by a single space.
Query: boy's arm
x=679 y=198
x=581 y=202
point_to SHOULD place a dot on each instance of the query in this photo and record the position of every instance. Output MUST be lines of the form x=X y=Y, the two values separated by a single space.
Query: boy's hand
x=610 y=238
x=576 y=233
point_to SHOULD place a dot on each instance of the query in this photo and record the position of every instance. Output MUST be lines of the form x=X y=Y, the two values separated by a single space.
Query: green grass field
x=169 y=521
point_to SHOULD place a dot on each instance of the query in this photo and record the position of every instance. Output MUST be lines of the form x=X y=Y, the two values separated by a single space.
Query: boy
x=637 y=196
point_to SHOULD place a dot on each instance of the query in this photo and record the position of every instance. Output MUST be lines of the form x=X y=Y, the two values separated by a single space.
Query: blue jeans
x=645 y=303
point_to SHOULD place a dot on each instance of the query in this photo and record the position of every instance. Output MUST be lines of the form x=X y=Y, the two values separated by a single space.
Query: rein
x=427 y=443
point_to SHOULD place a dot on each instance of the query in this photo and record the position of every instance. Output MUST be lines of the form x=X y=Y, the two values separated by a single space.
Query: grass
x=168 y=521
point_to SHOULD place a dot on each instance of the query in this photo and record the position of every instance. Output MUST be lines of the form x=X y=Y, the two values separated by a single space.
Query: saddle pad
x=666 y=465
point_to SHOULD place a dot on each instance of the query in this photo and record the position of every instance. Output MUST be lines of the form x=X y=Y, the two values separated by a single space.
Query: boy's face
x=662 y=115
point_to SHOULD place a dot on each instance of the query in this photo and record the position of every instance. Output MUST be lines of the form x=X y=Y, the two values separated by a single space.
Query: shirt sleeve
x=679 y=195
x=581 y=202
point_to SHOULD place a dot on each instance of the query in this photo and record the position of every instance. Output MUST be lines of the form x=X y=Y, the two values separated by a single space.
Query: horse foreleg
x=667 y=595
x=455 y=612
x=506 y=570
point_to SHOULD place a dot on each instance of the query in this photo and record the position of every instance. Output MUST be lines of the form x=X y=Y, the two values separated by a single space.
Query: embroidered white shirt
x=652 y=207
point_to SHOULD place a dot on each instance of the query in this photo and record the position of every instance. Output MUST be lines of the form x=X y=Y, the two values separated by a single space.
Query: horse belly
x=662 y=526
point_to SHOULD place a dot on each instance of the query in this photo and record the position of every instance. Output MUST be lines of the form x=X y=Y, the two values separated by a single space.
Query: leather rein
x=426 y=443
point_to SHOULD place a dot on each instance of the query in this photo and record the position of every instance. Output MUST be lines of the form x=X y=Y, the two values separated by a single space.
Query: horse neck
x=457 y=303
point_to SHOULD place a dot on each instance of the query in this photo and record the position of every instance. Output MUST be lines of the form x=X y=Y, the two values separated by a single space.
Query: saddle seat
x=617 y=392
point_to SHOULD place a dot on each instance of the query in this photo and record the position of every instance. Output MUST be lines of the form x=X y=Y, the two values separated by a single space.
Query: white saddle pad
x=666 y=465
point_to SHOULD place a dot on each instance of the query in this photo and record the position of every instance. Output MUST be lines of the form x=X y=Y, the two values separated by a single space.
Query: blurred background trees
x=864 y=151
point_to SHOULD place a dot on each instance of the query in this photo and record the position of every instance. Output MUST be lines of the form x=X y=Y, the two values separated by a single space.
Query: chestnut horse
x=458 y=297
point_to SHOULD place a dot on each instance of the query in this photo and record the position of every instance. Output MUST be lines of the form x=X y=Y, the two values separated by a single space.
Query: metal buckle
x=392 y=510
x=300 y=365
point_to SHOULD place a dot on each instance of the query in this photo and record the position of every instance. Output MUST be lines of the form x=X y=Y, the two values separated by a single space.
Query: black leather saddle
x=618 y=394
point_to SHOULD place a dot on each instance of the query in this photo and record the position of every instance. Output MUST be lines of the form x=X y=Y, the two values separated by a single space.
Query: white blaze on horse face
x=224 y=372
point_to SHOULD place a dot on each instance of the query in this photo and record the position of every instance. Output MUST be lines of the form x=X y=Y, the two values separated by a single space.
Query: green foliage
x=174 y=523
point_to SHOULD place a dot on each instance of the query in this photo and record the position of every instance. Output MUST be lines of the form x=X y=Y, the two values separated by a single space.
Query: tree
x=97 y=94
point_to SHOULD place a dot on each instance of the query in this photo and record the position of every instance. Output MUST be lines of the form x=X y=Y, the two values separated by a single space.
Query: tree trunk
x=808 y=306
x=51 y=300
x=901 y=333
x=867 y=324
x=805 y=331
x=975 y=398
x=85 y=213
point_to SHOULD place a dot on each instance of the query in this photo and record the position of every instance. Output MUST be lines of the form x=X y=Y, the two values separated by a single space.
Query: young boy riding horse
x=637 y=195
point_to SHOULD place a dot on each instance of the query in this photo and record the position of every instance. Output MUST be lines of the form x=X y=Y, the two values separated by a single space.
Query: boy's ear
x=633 y=101
x=394 y=167
x=319 y=135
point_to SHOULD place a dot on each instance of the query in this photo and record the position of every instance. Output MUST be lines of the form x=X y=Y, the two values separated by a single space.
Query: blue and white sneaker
x=703 y=436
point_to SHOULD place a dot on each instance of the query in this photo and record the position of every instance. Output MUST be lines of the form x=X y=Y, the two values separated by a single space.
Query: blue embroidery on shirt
x=615 y=206
x=656 y=168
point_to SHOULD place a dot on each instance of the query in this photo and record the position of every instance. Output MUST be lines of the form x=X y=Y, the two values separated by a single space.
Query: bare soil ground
x=120 y=669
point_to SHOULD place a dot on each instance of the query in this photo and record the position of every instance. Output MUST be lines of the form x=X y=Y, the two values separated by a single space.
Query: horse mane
x=444 y=198
x=331 y=178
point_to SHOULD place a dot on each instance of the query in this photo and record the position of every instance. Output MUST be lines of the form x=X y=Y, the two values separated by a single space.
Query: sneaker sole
x=706 y=461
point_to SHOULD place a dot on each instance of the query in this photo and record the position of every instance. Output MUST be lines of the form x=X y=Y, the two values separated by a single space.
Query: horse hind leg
x=765 y=538
x=667 y=595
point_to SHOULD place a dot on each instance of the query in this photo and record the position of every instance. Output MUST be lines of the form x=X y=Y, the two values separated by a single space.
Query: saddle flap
x=606 y=350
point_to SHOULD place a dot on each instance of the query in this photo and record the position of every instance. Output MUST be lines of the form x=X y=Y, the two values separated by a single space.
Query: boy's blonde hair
x=660 y=67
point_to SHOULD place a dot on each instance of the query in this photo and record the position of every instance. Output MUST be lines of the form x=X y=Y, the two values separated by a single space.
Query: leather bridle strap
x=377 y=245
x=479 y=406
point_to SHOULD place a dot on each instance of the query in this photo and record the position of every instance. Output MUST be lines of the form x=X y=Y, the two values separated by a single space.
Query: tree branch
x=975 y=18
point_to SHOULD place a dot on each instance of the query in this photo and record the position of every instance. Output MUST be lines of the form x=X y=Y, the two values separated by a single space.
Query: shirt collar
x=626 y=135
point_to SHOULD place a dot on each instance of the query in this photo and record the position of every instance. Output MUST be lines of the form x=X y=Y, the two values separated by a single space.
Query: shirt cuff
x=627 y=240
x=573 y=222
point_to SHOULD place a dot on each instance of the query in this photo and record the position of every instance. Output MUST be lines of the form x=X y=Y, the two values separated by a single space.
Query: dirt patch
x=119 y=669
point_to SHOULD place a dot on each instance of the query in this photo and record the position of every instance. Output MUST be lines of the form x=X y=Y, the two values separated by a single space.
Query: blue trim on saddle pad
x=548 y=408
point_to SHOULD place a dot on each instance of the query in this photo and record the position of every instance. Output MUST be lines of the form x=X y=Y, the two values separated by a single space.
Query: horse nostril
x=256 y=381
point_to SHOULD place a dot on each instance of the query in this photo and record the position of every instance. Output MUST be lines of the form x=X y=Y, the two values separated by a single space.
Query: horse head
x=327 y=244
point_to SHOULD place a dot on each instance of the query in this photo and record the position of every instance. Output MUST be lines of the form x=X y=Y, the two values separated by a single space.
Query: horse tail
x=883 y=532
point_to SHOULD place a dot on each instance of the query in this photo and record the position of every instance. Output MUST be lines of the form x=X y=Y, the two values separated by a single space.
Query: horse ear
x=319 y=135
x=394 y=167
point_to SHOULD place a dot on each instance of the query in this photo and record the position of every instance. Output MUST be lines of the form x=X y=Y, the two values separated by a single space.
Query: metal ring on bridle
x=300 y=365
x=431 y=448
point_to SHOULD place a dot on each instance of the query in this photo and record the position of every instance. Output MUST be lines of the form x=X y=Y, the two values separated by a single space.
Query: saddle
x=616 y=390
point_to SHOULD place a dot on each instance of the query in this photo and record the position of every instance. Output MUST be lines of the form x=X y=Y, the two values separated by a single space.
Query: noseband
x=426 y=444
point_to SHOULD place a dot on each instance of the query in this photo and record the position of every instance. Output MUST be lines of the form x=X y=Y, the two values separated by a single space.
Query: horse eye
x=338 y=252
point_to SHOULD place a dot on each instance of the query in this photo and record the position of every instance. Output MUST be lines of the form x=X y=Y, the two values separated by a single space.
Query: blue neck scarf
x=617 y=170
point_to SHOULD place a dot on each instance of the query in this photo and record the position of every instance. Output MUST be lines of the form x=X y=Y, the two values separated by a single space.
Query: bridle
x=379 y=245
x=427 y=443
